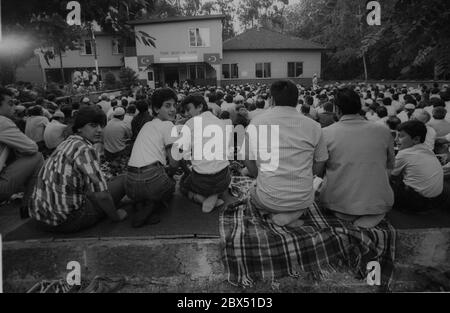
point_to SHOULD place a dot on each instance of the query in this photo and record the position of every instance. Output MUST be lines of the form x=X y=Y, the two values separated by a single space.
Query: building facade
x=191 y=49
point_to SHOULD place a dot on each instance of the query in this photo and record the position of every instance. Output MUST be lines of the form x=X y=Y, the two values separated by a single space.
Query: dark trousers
x=90 y=214
x=409 y=200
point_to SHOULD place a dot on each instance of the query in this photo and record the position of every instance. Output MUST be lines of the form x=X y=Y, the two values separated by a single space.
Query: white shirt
x=105 y=105
x=216 y=160
x=421 y=170
x=255 y=113
x=151 y=143
x=53 y=134
x=35 y=126
x=430 y=138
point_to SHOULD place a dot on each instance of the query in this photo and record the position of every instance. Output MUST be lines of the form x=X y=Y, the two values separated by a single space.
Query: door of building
x=171 y=75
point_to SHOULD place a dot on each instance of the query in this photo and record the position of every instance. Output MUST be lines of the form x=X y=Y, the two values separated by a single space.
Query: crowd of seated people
x=399 y=136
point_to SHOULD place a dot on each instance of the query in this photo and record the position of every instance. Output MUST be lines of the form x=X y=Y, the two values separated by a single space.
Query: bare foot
x=219 y=203
x=369 y=221
x=283 y=219
x=345 y=217
x=209 y=203
x=196 y=197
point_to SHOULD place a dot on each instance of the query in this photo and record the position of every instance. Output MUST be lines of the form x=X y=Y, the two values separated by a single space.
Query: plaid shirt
x=71 y=171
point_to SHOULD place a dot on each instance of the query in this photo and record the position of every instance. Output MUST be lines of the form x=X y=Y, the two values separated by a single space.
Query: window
x=196 y=71
x=230 y=71
x=87 y=47
x=262 y=70
x=150 y=76
x=295 y=69
x=117 y=46
x=199 y=37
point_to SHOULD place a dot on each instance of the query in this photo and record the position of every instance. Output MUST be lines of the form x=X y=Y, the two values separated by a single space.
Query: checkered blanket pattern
x=254 y=248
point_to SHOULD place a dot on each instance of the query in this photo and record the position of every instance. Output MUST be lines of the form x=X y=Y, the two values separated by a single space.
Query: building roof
x=177 y=19
x=264 y=39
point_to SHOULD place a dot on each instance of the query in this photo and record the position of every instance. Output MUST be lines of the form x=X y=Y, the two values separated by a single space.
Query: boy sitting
x=210 y=177
x=71 y=192
x=147 y=182
x=418 y=176
x=286 y=191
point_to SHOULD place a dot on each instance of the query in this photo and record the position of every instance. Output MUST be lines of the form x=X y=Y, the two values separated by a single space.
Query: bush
x=128 y=77
x=110 y=81
x=53 y=88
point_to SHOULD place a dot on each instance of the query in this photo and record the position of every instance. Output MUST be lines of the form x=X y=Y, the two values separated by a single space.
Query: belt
x=138 y=170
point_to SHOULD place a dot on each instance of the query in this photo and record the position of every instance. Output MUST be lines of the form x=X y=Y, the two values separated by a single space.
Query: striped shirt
x=71 y=171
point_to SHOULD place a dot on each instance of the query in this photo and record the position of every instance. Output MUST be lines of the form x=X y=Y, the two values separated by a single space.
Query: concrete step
x=194 y=265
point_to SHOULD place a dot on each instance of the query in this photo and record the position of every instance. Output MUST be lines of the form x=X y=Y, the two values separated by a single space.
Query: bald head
x=423 y=117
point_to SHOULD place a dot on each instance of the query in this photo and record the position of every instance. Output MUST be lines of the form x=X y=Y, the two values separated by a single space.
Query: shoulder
x=6 y=123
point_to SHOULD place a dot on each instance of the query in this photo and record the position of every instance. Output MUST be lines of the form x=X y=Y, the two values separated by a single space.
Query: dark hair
x=124 y=103
x=229 y=98
x=393 y=122
x=225 y=115
x=387 y=101
x=305 y=109
x=381 y=112
x=436 y=102
x=160 y=96
x=348 y=101
x=260 y=103
x=309 y=100
x=284 y=93
x=395 y=97
x=39 y=101
x=328 y=106
x=142 y=106
x=89 y=114
x=114 y=103
x=67 y=110
x=439 y=113
x=197 y=100
x=131 y=109
x=212 y=97
x=414 y=129
x=35 y=111
x=5 y=92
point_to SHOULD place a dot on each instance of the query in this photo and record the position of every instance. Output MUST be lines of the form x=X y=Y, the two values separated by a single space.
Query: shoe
x=143 y=214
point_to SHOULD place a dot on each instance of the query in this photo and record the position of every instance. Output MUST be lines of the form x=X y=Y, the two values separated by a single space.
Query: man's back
x=116 y=134
x=54 y=134
x=286 y=184
x=442 y=127
x=356 y=180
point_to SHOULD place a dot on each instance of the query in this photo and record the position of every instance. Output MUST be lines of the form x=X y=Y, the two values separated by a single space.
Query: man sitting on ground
x=116 y=135
x=418 y=176
x=71 y=192
x=327 y=117
x=356 y=185
x=20 y=160
x=286 y=191
x=209 y=179
x=55 y=132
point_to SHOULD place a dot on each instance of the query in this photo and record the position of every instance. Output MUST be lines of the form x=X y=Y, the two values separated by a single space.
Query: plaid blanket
x=254 y=248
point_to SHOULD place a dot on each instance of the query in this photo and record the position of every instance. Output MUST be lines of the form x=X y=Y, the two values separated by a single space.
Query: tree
x=110 y=81
x=54 y=32
x=128 y=77
x=34 y=17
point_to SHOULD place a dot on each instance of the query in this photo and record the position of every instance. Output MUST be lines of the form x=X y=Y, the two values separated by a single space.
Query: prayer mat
x=254 y=248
